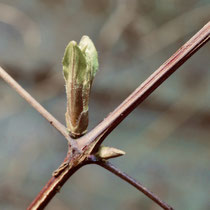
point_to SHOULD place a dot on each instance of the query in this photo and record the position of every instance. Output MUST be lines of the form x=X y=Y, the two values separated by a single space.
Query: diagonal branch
x=36 y=105
x=54 y=185
x=110 y=167
x=99 y=133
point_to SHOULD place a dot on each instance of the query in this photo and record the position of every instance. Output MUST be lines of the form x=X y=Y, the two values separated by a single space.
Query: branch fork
x=86 y=149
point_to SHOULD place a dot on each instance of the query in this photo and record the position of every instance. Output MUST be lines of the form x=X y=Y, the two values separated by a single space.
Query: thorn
x=109 y=152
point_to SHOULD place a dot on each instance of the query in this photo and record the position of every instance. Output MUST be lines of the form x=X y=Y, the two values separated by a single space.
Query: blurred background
x=166 y=139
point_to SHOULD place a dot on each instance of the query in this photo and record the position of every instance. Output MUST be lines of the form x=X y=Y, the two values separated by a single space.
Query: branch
x=99 y=133
x=53 y=186
x=36 y=105
x=110 y=167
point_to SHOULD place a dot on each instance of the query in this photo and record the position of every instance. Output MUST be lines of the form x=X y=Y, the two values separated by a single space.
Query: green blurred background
x=166 y=138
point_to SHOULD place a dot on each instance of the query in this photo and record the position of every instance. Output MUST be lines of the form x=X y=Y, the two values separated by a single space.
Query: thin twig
x=110 y=167
x=52 y=187
x=157 y=39
x=22 y=92
x=146 y=88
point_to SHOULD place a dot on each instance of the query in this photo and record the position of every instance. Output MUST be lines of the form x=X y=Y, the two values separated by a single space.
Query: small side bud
x=80 y=64
x=109 y=152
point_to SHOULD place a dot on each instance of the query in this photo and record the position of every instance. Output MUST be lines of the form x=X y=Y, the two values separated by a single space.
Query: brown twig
x=90 y=142
x=22 y=92
x=146 y=88
x=157 y=39
x=52 y=187
x=110 y=167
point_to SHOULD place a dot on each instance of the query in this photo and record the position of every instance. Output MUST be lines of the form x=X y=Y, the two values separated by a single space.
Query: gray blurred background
x=166 y=138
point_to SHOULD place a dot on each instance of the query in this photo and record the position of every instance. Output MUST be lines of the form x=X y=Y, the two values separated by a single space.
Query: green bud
x=80 y=64
x=109 y=152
